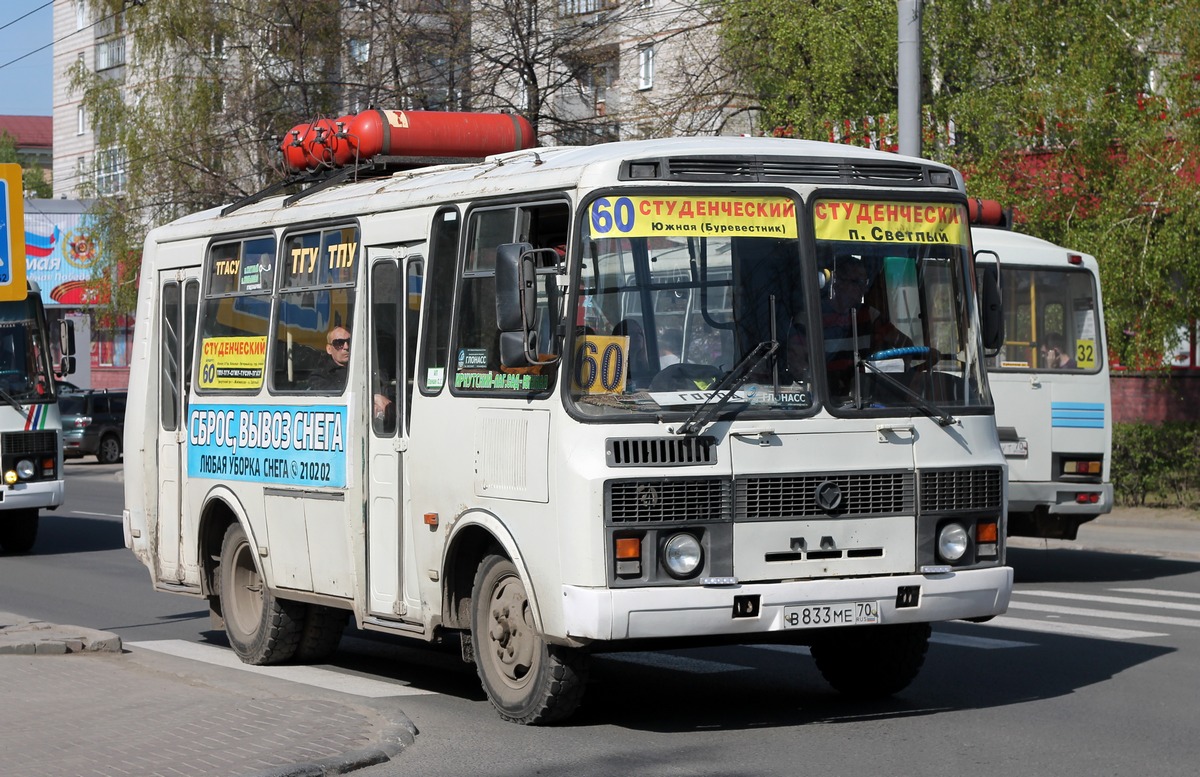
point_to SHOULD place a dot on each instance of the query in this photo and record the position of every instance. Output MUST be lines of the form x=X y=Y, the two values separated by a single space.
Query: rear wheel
x=18 y=530
x=109 y=451
x=872 y=662
x=527 y=680
x=262 y=629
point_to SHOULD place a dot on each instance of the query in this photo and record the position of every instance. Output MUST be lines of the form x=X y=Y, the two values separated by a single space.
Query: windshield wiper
x=936 y=413
x=734 y=380
x=10 y=400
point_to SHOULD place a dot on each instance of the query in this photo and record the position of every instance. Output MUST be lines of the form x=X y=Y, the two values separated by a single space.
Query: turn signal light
x=629 y=548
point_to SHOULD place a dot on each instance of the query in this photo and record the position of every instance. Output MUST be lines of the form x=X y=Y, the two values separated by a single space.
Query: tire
x=323 y=627
x=262 y=629
x=872 y=662
x=18 y=530
x=109 y=451
x=527 y=680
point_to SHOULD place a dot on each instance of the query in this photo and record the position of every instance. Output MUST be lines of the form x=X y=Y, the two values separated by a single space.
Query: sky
x=26 y=86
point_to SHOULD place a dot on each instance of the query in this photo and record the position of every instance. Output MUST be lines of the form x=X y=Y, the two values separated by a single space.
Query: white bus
x=30 y=429
x=511 y=457
x=1050 y=382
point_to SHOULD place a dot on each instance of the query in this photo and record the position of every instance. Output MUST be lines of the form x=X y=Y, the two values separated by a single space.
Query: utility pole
x=908 y=13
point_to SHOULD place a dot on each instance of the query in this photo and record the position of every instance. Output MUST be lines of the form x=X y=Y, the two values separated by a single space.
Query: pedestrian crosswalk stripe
x=1157 y=592
x=1055 y=609
x=1070 y=629
x=985 y=643
x=1125 y=600
x=308 y=675
x=676 y=663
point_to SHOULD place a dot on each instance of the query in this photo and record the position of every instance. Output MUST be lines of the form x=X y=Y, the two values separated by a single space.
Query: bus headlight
x=682 y=555
x=952 y=542
x=25 y=469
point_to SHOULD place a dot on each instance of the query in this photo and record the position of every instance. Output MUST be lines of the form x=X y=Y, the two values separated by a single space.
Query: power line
x=31 y=13
x=53 y=42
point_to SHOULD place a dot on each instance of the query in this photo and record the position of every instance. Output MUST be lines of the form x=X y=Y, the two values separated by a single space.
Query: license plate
x=816 y=616
x=1015 y=448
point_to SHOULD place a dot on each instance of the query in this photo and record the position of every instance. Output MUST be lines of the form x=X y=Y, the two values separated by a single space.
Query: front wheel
x=872 y=662
x=261 y=628
x=527 y=680
x=18 y=530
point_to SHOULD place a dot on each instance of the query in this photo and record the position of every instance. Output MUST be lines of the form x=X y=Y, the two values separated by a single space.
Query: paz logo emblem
x=828 y=496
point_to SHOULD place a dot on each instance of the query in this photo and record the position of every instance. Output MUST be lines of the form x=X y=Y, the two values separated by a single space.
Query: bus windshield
x=667 y=311
x=1049 y=320
x=25 y=373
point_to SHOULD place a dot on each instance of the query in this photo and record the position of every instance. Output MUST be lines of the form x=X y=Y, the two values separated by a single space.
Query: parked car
x=66 y=387
x=93 y=424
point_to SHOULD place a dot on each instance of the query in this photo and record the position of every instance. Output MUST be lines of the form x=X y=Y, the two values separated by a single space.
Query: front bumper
x=36 y=494
x=641 y=613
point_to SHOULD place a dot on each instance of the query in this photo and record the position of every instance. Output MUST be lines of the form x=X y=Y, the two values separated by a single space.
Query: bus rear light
x=1082 y=466
x=1074 y=259
x=1085 y=498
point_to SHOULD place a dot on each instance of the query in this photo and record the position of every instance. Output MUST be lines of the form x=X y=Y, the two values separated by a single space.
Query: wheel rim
x=243 y=606
x=512 y=641
x=110 y=450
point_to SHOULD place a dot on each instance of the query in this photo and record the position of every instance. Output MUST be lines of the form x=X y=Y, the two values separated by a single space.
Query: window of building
x=110 y=171
x=646 y=67
x=80 y=120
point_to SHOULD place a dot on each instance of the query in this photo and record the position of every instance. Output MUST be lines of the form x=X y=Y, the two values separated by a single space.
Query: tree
x=33 y=177
x=195 y=118
x=1081 y=116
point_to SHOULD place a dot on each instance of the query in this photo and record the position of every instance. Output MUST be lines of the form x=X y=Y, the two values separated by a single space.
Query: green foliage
x=1081 y=116
x=1156 y=465
x=33 y=177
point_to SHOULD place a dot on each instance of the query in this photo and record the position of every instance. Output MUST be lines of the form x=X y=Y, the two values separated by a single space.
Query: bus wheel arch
x=474 y=537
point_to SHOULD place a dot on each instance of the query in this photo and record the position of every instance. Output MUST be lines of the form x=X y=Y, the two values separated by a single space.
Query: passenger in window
x=332 y=375
x=1054 y=353
x=670 y=342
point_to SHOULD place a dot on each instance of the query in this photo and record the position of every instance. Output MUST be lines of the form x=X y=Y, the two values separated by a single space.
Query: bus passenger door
x=395 y=294
x=179 y=292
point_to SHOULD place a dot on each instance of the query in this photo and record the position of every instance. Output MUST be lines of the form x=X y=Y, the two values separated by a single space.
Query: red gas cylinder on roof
x=988 y=212
x=356 y=138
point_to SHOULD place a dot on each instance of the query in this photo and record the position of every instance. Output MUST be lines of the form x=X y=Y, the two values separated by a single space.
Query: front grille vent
x=796 y=496
x=661 y=500
x=29 y=443
x=795 y=170
x=949 y=490
x=661 y=451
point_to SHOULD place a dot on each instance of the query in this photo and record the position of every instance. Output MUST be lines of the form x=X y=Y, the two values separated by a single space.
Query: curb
x=20 y=635
x=400 y=734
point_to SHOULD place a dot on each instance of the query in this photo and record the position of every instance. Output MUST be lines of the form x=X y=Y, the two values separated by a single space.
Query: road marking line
x=1072 y=629
x=677 y=663
x=1157 y=592
x=1110 y=600
x=308 y=675
x=1166 y=620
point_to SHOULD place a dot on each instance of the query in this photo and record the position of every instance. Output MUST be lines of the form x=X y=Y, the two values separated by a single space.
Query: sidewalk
x=77 y=705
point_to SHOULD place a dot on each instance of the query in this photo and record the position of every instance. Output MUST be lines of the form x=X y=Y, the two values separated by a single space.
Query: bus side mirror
x=516 y=302
x=66 y=336
x=991 y=306
x=66 y=366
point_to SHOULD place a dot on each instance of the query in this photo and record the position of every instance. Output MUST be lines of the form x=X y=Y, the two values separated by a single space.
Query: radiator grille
x=795 y=496
x=662 y=451
x=947 y=490
x=661 y=500
x=26 y=443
